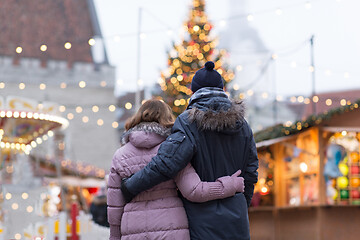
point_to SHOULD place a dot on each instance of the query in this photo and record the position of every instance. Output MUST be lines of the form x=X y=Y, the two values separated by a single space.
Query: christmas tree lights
x=188 y=57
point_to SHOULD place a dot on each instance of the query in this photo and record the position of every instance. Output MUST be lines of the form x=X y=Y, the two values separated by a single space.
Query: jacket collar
x=209 y=98
x=148 y=127
x=211 y=109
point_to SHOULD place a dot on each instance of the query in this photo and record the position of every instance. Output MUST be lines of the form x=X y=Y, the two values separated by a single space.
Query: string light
x=29 y=209
x=19 y=50
x=250 y=17
x=303 y=167
x=8 y=196
x=78 y=109
x=14 y=206
x=328 y=102
x=85 y=119
x=128 y=106
x=328 y=72
x=43 y=48
x=103 y=83
x=95 y=109
x=24 y=195
x=22 y=86
x=222 y=23
x=250 y=92
x=17 y=236
x=42 y=86
x=67 y=45
x=62 y=108
x=91 y=42
x=274 y=56
x=70 y=116
x=63 y=85
x=300 y=99
x=112 y=108
x=237 y=68
x=115 y=124
x=82 y=84
x=2 y=85
x=100 y=122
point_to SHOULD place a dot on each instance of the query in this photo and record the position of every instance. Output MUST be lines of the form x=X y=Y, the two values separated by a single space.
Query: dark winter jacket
x=98 y=210
x=213 y=135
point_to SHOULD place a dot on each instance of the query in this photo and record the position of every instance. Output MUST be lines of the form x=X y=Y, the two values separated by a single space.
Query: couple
x=180 y=180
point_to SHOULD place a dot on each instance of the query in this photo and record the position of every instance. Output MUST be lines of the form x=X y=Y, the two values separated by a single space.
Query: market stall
x=24 y=125
x=38 y=183
x=309 y=178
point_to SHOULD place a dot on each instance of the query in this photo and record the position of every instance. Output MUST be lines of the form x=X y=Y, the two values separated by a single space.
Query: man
x=213 y=135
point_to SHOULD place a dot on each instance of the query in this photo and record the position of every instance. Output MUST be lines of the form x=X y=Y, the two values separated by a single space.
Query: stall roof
x=282 y=130
x=271 y=141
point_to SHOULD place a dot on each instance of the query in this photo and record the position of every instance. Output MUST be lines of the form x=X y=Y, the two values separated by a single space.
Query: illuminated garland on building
x=282 y=130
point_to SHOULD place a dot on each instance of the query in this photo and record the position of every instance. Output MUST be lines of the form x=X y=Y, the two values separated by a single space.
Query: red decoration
x=355 y=170
x=93 y=190
x=355 y=194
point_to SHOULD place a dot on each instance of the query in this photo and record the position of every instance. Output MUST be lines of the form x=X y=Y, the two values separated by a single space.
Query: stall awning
x=340 y=129
x=271 y=141
x=76 y=181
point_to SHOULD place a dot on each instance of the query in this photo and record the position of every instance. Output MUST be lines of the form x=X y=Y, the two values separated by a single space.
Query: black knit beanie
x=206 y=77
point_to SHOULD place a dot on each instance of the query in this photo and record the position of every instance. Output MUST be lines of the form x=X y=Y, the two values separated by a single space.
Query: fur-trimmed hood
x=211 y=109
x=147 y=127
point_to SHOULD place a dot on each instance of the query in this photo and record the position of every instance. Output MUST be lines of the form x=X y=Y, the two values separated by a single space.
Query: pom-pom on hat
x=206 y=77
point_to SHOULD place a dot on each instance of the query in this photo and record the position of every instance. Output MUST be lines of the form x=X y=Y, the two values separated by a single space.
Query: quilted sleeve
x=193 y=189
x=115 y=200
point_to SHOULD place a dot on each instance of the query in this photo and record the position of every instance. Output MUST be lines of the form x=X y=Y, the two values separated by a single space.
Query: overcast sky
x=283 y=27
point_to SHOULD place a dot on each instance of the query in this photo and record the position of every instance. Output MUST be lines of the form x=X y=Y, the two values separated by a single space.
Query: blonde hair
x=152 y=111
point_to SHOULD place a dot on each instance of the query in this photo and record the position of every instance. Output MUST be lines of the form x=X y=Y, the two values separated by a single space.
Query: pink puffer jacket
x=157 y=213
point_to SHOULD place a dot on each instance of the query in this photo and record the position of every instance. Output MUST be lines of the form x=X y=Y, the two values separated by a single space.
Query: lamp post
x=312 y=74
x=137 y=95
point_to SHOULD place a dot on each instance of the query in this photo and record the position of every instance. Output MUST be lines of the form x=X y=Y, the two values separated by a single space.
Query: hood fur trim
x=152 y=127
x=218 y=121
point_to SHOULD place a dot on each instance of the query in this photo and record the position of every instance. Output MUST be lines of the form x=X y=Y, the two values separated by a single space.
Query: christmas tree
x=189 y=56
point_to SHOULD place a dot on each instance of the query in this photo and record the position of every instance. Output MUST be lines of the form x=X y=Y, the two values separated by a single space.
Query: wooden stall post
x=322 y=150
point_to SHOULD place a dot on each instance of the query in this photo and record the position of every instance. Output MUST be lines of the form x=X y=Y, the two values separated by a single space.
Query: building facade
x=53 y=51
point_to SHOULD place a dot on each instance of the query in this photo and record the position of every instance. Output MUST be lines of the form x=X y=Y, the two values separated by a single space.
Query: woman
x=157 y=213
